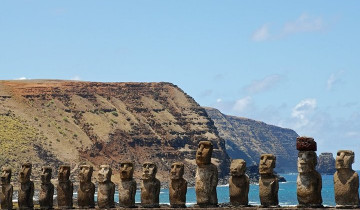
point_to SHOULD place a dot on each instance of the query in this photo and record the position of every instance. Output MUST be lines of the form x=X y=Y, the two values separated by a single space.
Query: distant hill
x=248 y=139
x=51 y=122
x=326 y=163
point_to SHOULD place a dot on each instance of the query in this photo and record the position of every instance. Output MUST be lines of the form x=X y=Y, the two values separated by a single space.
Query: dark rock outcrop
x=247 y=139
x=326 y=163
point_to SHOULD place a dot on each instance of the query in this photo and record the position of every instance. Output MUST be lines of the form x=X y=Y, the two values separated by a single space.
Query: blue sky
x=289 y=63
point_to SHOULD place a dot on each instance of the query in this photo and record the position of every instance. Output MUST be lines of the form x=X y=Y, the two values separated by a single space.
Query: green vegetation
x=115 y=113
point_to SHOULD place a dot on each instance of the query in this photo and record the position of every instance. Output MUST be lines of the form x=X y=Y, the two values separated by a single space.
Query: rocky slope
x=50 y=122
x=326 y=163
x=248 y=139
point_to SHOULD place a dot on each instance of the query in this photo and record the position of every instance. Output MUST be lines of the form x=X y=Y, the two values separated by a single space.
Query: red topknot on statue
x=304 y=143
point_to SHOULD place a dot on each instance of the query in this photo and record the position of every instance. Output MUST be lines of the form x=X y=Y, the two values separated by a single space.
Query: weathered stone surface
x=26 y=191
x=346 y=180
x=309 y=182
x=326 y=163
x=86 y=189
x=6 y=188
x=238 y=183
x=106 y=188
x=268 y=182
x=177 y=186
x=206 y=178
x=150 y=186
x=64 y=188
x=47 y=189
x=304 y=143
x=127 y=185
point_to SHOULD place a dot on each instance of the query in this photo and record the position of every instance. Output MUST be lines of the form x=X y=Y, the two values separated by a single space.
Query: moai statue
x=309 y=182
x=47 y=189
x=106 y=188
x=150 y=186
x=177 y=186
x=206 y=178
x=6 y=189
x=64 y=188
x=346 y=181
x=26 y=191
x=127 y=185
x=268 y=182
x=238 y=183
x=86 y=189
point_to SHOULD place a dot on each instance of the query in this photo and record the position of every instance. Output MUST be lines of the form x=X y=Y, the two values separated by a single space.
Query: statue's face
x=149 y=171
x=126 y=170
x=237 y=167
x=64 y=173
x=104 y=174
x=46 y=175
x=203 y=153
x=177 y=170
x=85 y=173
x=267 y=164
x=307 y=161
x=25 y=173
x=344 y=159
x=5 y=175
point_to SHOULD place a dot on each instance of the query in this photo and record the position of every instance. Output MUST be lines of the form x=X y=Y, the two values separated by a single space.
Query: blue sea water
x=287 y=193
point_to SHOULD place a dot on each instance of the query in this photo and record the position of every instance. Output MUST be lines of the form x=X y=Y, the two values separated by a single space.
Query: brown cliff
x=50 y=122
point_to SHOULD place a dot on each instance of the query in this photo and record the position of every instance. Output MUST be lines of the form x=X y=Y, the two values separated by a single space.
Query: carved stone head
x=126 y=170
x=46 y=173
x=237 y=167
x=5 y=175
x=307 y=161
x=203 y=153
x=25 y=173
x=64 y=173
x=267 y=164
x=344 y=159
x=85 y=173
x=177 y=170
x=104 y=174
x=149 y=171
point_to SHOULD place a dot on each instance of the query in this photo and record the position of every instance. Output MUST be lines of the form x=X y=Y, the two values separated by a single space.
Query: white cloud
x=219 y=100
x=334 y=79
x=76 y=78
x=261 y=34
x=21 y=78
x=303 y=108
x=304 y=23
x=242 y=104
x=263 y=85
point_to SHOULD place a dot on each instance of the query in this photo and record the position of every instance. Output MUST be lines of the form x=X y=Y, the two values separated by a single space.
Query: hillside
x=248 y=139
x=50 y=122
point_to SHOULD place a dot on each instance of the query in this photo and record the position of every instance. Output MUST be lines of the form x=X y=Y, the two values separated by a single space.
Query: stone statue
x=106 y=188
x=127 y=185
x=47 y=189
x=150 y=186
x=309 y=182
x=238 y=183
x=64 y=188
x=268 y=182
x=26 y=191
x=346 y=180
x=6 y=189
x=206 y=178
x=177 y=186
x=86 y=189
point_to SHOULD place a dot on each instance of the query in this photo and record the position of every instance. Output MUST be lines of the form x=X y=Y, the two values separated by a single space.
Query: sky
x=293 y=64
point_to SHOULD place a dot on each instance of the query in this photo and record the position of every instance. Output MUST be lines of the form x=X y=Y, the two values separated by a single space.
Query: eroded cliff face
x=326 y=163
x=52 y=122
x=248 y=139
